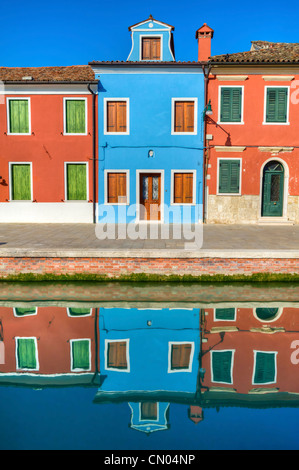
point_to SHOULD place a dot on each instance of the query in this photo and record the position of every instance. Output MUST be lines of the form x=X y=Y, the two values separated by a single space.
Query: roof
x=263 y=52
x=150 y=18
x=157 y=63
x=73 y=73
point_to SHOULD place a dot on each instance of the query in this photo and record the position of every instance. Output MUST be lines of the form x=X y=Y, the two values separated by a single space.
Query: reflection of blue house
x=150 y=131
x=149 y=358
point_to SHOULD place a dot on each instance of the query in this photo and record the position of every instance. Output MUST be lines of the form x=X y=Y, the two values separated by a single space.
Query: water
x=149 y=367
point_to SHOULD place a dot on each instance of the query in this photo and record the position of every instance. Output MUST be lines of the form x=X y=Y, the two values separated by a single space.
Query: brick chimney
x=204 y=36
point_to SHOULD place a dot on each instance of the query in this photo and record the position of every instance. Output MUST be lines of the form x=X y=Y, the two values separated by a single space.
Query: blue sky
x=63 y=32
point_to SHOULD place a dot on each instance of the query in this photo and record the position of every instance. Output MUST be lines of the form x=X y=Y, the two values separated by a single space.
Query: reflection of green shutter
x=21 y=182
x=231 y=104
x=76 y=182
x=75 y=117
x=229 y=176
x=18 y=117
x=80 y=354
x=221 y=366
x=225 y=314
x=26 y=353
x=79 y=311
x=21 y=312
x=276 y=105
x=264 y=368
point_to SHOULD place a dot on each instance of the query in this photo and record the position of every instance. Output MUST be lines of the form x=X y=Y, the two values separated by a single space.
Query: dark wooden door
x=150 y=196
x=273 y=182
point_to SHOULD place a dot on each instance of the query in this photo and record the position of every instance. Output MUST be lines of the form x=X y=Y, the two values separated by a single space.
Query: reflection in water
x=156 y=359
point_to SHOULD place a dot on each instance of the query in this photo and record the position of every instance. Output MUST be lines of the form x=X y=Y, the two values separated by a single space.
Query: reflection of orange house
x=49 y=345
x=251 y=351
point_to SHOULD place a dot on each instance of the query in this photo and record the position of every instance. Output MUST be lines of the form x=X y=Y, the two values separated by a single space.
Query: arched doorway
x=273 y=189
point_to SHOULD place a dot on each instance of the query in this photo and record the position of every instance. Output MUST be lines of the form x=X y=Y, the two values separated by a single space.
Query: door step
x=274 y=221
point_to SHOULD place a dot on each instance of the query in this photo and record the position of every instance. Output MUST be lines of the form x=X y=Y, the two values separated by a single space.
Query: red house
x=48 y=144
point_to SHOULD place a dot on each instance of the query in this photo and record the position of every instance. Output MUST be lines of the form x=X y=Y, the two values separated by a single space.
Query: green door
x=273 y=181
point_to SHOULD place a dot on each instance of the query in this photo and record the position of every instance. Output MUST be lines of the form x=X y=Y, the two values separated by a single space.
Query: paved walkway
x=81 y=239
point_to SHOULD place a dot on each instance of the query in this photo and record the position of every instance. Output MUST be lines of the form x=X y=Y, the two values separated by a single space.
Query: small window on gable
x=183 y=188
x=151 y=48
x=180 y=356
x=184 y=116
x=117 y=355
x=117 y=188
x=116 y=117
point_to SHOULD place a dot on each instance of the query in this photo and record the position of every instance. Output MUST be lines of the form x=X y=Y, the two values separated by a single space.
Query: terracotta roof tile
x=264 y=51
x=72 y=73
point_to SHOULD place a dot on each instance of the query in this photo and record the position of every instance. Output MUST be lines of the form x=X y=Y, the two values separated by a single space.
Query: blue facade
x=150 y=143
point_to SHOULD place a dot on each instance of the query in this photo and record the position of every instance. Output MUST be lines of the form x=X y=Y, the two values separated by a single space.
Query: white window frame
x=219 y=319
x=73 y=369
x=138 y=221
x=10 y=182
x=218 y=174
x=142 y=36
x=147 y=419
x=254 y=366
x=242 y=105
x=36 y=353
x=106 y=172
x=78 y=316
x=24 y=316
x=287 y=123
x=172 y=203
x=126 y=100
x=72 y=98
x=189 y=368
x=120 y=340
x=173 y=101
x=19 y=98
x=65 y=182
x=231 y=367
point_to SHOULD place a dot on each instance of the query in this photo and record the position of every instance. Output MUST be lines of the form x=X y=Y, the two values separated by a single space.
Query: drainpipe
x=94 y=94
x=206 y=72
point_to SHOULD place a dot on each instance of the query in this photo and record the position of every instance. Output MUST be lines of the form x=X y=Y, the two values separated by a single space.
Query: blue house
x=150 y=132
x=149 y=358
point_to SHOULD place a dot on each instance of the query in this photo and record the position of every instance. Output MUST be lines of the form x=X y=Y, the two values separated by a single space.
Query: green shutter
x=75 y=117
x=76 y=182
x=225 y=314
x=21 y=182
x=229 y=176
x=231 y=104
x=26 y=353
x=79 y=311
x=22 y=312
x=277 y=104
x=264 y=368
x=18 y=116
x=80 y=354
x=221 y=366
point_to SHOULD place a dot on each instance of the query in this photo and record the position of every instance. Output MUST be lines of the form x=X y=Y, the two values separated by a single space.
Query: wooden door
x=150 y=196
x=273 y=182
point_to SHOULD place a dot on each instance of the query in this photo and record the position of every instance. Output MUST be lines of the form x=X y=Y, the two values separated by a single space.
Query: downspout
x=206 y=72
x=94 y=142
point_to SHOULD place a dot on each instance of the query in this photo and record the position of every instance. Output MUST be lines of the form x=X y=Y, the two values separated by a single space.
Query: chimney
x=204 y=36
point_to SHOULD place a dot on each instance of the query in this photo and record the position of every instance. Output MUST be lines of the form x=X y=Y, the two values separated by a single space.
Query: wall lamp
x=207 y=110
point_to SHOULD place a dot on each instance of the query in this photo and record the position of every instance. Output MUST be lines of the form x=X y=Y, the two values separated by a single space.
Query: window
x=231 y=104
x=227 y=314
x=116 y=116
x=222 y=366
x=18 y=116
x=24 y=312
x=264 y=367
x=117 y=188
x=78 y=312
x=117 y=355
x=229 y=177
x=26 y=353
x=180 y=357
x=276 y=105
x=80 y=354
x=20 y=182
x=151 y=48
x=76 y=181
x=267 y=314
x=183 y=188
x=184 y=120
x=75 y=116
x=149 y=411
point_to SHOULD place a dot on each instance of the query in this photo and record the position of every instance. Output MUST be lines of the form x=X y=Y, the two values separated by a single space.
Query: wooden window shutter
x=151 y=49
x=276 y=105
x=21 y=182
x=149 y=410
x=116 y=116
x=117 y=355
x=229 y=176
x=75 y=117
x=264 y=368
x=221 y=366
x=76 y=182
x=180 y=356
x=81 y=354
x=183 y=188
x=26 y=353
x=231 y=104
x=184 y=116
x=117 y=188
x=225 y=313
x=18 y=116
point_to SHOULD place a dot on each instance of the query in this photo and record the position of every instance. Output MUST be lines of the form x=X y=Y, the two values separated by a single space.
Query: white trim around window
x=10 y=181
x=65 y=181
x=240 y=178
x=173 y=101
x=219 y=105
x=65 y=99
x=19 y=98
x=189 y=368
x=73 y=369
x=106 y=172
x=173 y=172
x=24 y=316
x=231 y=365
x=287 y=123
x=78 y=316
x=255 y=352
x=222 y=319
x=127 y=100
x=17 y=338
x=142 y=36
x=120 y=340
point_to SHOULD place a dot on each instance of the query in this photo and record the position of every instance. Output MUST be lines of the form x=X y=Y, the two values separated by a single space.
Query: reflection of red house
x=55 y=335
